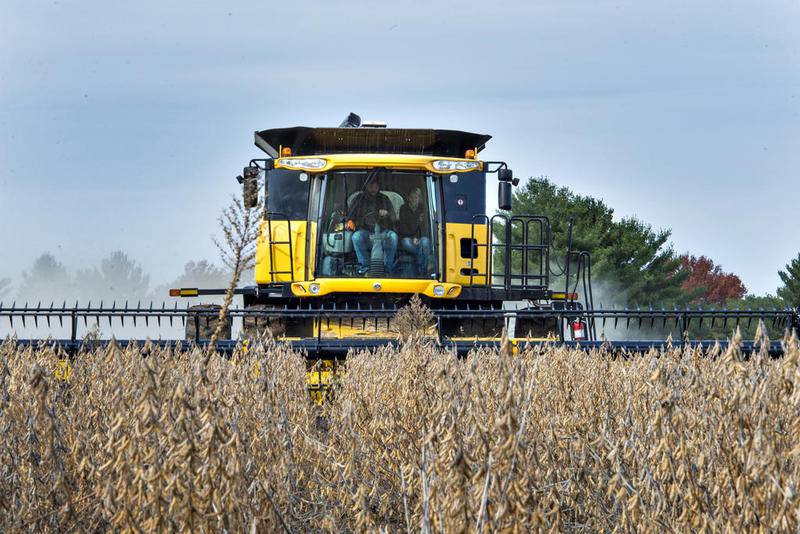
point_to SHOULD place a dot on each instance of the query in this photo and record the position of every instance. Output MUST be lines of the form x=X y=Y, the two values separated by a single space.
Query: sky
x=123 y=125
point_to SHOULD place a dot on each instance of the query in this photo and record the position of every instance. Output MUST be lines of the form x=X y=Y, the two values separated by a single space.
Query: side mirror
x=250 y=187
x=504 y=195
x=505 y=175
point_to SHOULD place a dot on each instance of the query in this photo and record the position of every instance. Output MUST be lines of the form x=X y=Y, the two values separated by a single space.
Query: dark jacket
x=413 y=223
x=365 y=208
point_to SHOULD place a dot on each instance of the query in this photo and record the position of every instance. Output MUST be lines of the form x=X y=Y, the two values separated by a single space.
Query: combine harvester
x=361 y=217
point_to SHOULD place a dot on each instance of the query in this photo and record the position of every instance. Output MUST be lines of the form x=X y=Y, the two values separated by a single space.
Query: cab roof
x=306 y=141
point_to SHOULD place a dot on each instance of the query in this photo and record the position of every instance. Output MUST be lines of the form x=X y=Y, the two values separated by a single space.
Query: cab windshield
x=377 y=223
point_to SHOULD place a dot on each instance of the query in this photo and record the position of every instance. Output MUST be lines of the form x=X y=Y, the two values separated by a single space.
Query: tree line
x=117 y=277
x=634 y=264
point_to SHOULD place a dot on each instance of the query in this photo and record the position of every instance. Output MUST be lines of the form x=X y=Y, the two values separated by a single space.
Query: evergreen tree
x=631 y=263
x=790 y=292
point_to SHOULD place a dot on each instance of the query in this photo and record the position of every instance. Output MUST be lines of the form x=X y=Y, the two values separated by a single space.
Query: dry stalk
x=240 y=227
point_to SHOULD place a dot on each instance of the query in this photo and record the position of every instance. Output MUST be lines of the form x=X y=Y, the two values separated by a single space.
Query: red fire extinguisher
x=578 y=330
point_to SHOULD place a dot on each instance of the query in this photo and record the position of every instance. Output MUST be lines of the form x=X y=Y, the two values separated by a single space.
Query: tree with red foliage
x=717 y=286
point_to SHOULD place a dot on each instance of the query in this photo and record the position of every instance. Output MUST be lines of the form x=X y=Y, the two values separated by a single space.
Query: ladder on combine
x=276 y=274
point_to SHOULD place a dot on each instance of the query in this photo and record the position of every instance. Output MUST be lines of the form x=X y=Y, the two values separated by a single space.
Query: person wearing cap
x=414 y=230
x=372 y=216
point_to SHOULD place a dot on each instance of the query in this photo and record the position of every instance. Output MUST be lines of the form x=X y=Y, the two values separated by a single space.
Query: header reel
x=780 y=323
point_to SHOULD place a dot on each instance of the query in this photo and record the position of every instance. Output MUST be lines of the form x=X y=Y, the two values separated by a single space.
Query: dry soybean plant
x=413 y=320
x=240 y=226
x=415 y=440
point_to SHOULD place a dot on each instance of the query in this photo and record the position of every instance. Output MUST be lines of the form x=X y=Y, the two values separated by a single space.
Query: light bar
x=455 y=165
x=303 y=163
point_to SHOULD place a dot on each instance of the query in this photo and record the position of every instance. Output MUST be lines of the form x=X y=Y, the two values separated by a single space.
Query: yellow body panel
x=389 y=161
x=320 y=378
x=271 y=255
x=454 y=233
x=333 y=330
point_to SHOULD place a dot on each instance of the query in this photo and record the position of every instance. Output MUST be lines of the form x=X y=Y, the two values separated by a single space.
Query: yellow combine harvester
x=366 y=216
x=359 y=218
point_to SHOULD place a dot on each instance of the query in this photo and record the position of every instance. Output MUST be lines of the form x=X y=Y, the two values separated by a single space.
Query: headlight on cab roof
x=452 y=165
x=303 y=163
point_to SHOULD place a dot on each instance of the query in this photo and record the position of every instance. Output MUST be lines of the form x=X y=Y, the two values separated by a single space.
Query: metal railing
x=525 y=240
x=781 y=321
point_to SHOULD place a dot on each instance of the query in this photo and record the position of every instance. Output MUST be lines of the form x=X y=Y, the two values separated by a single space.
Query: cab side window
x=287 y=194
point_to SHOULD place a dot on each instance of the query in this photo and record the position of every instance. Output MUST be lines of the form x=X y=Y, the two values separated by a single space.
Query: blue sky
x=123 y=125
